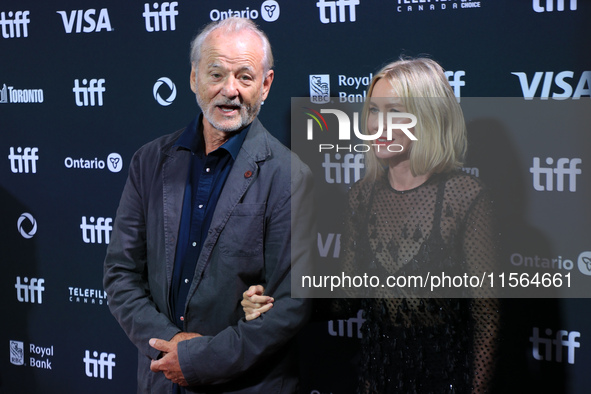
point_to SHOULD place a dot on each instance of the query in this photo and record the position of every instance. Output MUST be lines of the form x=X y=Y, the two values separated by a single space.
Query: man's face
x=230 y=83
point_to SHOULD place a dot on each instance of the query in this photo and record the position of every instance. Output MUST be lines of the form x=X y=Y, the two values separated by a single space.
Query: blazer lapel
x=174 y=178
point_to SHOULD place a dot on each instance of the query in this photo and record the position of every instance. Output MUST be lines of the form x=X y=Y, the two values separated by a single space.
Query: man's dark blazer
x=249 y=242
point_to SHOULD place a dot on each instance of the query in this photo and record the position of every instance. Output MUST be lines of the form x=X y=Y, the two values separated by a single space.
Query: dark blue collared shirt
x=206 y=178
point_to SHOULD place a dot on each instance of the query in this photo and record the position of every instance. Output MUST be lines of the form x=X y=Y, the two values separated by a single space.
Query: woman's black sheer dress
x=423 y=345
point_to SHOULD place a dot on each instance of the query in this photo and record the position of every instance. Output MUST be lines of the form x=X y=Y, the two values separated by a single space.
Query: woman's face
x=384 y=100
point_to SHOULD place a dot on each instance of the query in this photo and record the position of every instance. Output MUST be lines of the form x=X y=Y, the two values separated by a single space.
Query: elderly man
x=205 y=213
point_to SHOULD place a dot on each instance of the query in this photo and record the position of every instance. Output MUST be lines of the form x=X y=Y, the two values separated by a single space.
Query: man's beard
x=247 y=112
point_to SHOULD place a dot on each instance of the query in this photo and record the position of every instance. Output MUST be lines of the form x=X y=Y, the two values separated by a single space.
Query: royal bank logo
x=26 y=225
x=345 y=9
x=86 y=21
x=549 y=5
x=15 y=24
x=39 y=356
x=170 y=92
x=320 y=88
x=8 y=94
x=17 y=353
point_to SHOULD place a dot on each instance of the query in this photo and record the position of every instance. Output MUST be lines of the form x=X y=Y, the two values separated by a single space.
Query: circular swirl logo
x=32 y=224
x=171 y=86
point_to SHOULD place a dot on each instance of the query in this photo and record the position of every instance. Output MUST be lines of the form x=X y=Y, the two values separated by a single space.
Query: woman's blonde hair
x=423 y=88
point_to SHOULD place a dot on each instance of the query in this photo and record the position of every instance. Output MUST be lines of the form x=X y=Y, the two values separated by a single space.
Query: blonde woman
x=414 y=212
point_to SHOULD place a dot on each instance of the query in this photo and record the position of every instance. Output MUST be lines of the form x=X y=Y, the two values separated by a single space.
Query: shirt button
x=182 y=318
x=194 y=244
x=186 y=280
x=207 y=169
x=200 y=206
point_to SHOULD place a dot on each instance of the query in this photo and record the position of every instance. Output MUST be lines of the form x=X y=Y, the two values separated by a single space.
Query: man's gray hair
x=232 y=25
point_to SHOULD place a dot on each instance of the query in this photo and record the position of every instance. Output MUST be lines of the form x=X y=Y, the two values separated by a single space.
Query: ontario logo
x=394 y=121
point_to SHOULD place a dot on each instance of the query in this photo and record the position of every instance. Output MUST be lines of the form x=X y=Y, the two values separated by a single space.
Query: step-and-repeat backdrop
x=83 y=84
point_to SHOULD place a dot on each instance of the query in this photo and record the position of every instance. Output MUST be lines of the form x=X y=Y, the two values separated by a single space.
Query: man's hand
x=254 y=303
x=169 y=363
x=183 y=336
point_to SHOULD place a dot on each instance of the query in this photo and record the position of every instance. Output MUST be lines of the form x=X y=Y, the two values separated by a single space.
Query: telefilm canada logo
x=344 y=130
x=436 y=5
x=87 y=296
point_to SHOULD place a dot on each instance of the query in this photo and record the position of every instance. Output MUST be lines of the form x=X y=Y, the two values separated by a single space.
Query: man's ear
x=193 y=79
x=267 y=83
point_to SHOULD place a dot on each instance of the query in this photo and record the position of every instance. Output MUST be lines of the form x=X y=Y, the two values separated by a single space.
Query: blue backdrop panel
x=84 y=84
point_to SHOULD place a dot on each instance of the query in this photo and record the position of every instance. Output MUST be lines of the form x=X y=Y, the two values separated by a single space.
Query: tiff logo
x=558 y=344
x=346 y=171
x=455 y=81
x=23 y=161
x=93 y=23
x=95 y=367
x=156 y=20
x=348 y=330
x=85 y=95
x=561 y=171
x=93 y=233
x=332 y=10
x=25 y=291
x=538 y=7
x=11 y=27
